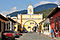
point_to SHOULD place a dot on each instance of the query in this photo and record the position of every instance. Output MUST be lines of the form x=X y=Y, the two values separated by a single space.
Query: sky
x=6 y=5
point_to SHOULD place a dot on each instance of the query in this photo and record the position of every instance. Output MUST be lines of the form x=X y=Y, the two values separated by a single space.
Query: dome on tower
x=30 y=6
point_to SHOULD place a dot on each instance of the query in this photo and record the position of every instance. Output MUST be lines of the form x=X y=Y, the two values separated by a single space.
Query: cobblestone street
x=33 y=36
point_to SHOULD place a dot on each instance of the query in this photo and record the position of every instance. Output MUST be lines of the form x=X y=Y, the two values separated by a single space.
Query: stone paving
x=33 y=36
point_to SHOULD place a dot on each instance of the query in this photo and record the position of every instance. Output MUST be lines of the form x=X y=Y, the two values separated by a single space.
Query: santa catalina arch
x=30 y=19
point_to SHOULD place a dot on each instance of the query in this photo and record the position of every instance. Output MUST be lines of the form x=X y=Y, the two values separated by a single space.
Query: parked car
x=17 y=34
x=20 y=34
x=8 y=35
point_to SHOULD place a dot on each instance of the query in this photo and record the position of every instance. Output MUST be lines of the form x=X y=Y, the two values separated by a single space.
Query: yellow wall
x=29 y=16
x=26 y=17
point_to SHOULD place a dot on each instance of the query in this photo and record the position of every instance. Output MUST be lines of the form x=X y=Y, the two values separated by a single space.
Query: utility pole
x=21 y=23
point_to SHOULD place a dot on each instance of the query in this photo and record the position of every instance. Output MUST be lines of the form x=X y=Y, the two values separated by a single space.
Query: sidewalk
x=51 y=38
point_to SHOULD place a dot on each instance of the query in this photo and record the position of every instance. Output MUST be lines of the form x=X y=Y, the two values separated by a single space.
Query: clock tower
x=30 y=9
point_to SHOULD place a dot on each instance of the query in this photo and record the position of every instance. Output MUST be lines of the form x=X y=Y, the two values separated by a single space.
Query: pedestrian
x=52 y=32
x=39 y=32
x=33 y=29
x=30 y=29
x=56 y=33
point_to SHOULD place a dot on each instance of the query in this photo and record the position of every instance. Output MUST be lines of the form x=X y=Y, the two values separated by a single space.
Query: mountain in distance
x=45 y=12
x=44 y=7
x=39 y=9
x=17 y=12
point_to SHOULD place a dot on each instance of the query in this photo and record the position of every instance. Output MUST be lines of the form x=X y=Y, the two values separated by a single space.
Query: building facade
x=30 y=20
x=54 y=18
x=4 y=25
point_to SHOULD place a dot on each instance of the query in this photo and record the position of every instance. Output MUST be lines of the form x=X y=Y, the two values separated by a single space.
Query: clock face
x=30 y=10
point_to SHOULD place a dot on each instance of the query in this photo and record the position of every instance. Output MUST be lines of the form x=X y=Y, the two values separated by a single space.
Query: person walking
x=39 y=32
x=30 y=29
x=52 y=32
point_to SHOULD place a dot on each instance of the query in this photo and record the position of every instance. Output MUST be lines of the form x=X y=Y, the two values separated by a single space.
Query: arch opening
x=30 y=26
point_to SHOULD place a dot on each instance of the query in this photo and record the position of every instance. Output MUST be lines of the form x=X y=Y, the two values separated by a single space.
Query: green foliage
x=45 y=12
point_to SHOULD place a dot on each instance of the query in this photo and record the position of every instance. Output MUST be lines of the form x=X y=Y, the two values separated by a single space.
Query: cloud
x=13 y=9
x=45 y=2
